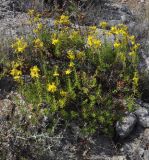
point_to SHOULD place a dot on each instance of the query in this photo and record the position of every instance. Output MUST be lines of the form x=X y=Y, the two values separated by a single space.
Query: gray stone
x=146 y=105
x=125 y=9
x=141 y=29
x=119 y=158
x=146 y=155
x=141 y=112
x=101 y=34
x=144 y=121
x=114 y=22
x=135 y=145
x=143 y=116
x=101 y=148
x=6 y=109
x=131 y=26
x=124 y=18
x=125 y=127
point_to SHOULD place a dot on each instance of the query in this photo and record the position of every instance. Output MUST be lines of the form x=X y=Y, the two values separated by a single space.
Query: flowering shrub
x=80 y=77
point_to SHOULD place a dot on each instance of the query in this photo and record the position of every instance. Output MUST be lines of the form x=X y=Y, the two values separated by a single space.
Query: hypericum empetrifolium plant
x=81 y=77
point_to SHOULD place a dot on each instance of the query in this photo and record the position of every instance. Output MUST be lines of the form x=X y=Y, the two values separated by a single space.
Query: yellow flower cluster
x=74 y=35
x=55 y=41
x=92 y=30
x=18 y=63
x=80 y=55
x=136 y=79
x=34 y=72
x=132 y=54
x=37 y=18
x=16 y=73
x=38 y=28
x=52 y=87
x=38 y=43
x=93 y=42
x=70 y=55
x=31 y=12
x=103 y=24
x=119 y=30
x=56 y=74
x=63 y=20
x=71 y=64
x=63 y=93
x=67 y=71
x=117 y=44
x=20 y=45
x=135 y=47
x=121 y=34
x=132 y=39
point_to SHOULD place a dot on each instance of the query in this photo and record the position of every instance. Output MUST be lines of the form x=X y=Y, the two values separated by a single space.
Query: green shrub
x=78 y=76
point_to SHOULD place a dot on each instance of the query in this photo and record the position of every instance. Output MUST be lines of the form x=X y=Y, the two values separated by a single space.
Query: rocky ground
x=131 y=141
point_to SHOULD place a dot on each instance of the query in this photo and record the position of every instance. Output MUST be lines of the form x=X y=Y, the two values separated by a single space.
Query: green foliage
x=78 y=76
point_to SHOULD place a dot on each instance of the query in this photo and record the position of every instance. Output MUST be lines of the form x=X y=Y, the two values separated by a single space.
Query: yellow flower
x=93 y=42
x=71 y=64
x=16 y=74
x=92 y=29
x=56 y=22
x=80 y=55
x=31 y=12
x=56 y=74
x=38 y=43
x=37 y=18
x=90 y=40
x=63 y=93
x=74 y=35
x=117 y=44
x=62 y=103
x=64 y=20
x=34 y=72
x=52 y=87
x=135 y=47
x=119 y=29
x=17 y=64
x=20 y=45
x=135 y=79
x=132 y=39
x=132 y=54
x=103 y=24
x=123 y=27
x=108 y=33
x=55 y=41
x=68 y=71
x=70 y=55
x=122 y=57
x=97 y=43
x=122 y=32
x=17 y=78
x=39 y=26
x=35 y=31
x=114 y=30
